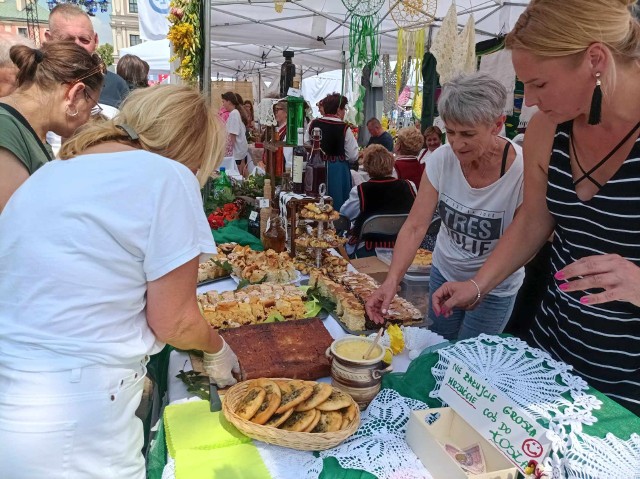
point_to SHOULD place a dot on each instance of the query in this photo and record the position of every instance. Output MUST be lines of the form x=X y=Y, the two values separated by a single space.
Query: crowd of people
x=99 y=249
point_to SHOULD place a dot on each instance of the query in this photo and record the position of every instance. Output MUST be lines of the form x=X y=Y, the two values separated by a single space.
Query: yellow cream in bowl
x=355 y=349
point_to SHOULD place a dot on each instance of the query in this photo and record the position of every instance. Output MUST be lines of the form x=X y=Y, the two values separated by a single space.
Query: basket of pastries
x=303 y=415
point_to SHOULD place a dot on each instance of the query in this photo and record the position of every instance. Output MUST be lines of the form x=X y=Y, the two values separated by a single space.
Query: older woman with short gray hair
x=475 y=183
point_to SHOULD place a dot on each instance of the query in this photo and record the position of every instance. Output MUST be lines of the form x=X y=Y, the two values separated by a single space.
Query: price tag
x=263 y=202
x=253 y=216
x=294 y=92
x=498 y=419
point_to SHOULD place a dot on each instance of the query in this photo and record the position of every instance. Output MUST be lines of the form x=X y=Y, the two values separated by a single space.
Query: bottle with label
x=253 y=226
x=265 y=207
x=275 y=236
x=222 y=190
x=299 y=160
x=295 y=118
x=316 y=171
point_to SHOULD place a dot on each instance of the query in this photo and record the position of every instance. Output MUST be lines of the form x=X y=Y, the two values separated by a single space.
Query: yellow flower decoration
x=396 y=338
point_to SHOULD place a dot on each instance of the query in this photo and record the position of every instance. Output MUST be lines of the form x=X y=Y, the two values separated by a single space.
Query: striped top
x=601 y=342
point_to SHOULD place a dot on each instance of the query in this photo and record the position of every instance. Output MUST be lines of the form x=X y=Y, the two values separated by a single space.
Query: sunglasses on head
x=100 y=68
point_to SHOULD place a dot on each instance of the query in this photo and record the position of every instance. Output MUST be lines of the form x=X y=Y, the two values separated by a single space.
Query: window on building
x=133 y=6
x=134 y=40
x=23 y=31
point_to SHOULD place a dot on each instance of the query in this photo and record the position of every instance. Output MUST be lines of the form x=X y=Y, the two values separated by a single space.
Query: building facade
x=13 y=17
x=124 y=25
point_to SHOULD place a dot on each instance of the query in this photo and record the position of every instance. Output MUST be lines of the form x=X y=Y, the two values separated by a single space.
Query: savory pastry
x=337 y=400
x=251 y=402
x=297 y=394
x=320 y=393
x=271 y=401
x=298 y=421
x=330 y=421
x=277 y=419
x=315 y=421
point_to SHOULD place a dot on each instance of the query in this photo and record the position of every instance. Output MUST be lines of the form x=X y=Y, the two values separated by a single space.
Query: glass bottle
x=287 y=73
x=222 y=190
x=275 y=236
x=253 y=225
x=299 y=160
x=316 y=171
x=295 y=118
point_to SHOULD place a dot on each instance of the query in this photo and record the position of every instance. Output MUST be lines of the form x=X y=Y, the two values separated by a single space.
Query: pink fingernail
x=559 y=275
x=584 y=300
x=564 y=286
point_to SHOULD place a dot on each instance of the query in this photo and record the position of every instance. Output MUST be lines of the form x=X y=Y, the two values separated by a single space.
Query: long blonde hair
x=556 y=28
x=173 y=121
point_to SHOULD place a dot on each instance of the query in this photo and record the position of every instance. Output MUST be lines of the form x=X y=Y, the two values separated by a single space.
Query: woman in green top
x=58 y=87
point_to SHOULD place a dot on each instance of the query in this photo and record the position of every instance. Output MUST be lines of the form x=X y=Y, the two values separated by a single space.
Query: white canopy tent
x=249 y=36
x=155 y=53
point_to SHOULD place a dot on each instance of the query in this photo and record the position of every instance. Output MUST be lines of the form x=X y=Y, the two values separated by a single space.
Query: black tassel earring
x=595 y=112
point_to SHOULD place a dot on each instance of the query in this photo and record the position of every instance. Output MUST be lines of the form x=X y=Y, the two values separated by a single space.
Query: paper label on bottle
x=263 y=202
x=294 y=92
x=253 y=216
x=297 y=168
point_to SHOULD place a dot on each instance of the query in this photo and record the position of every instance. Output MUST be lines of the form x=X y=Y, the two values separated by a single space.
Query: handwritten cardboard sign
x=497 y=418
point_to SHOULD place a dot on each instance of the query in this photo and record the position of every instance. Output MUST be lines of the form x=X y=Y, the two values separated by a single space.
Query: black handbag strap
x=16 y=114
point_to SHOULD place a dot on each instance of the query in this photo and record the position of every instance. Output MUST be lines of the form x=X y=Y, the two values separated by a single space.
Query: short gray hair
x=6 y=42
x=472 y=99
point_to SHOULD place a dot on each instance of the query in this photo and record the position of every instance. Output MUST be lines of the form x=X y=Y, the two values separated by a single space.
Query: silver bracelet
x=477 y=295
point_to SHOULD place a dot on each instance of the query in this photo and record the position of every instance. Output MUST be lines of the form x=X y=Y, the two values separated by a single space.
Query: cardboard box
x=427 y=442
x=371 y=266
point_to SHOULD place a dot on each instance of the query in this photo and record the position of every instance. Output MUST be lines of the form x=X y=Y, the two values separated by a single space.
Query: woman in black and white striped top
x=582 y=181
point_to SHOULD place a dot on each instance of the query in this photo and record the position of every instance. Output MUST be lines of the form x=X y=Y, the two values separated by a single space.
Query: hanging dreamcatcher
x=388 y=85
x=411 y=16
x=363 y=31
x=279 y=5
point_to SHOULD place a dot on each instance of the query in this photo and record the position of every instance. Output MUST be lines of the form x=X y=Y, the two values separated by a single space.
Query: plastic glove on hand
x=220 y=366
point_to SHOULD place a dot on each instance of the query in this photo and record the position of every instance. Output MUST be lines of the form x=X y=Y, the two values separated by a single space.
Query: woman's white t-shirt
x=473 y=219
x=78 y=243
x=236 y=127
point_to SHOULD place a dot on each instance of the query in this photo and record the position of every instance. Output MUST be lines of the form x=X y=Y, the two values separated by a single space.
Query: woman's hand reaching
x=378 y=303
x=455 y=294
x=619 y=278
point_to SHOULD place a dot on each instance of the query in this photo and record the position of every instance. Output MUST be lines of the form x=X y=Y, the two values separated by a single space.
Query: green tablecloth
x=416 y=383
x=236 y=232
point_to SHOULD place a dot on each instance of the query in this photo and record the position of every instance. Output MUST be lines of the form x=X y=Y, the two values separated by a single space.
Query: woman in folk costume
x=409 y=141
x=339 y=146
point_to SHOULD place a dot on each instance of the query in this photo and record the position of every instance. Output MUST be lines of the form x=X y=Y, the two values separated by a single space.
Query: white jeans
x=72 y=424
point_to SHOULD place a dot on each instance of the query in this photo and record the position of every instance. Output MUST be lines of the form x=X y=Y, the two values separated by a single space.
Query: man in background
x=69 y=22
x=8 y=70
x=378 y=135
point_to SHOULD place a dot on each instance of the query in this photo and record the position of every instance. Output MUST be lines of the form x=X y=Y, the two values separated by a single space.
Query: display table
x=379 y=447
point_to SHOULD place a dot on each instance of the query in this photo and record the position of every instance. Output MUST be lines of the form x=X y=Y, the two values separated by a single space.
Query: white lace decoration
x=377 y=447
x=524 y=374
x=528 y=376
x=415 y=339
x=265 y=112
x=591 y=457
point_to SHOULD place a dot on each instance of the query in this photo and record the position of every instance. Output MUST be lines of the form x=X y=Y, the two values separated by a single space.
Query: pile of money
x=470 y=459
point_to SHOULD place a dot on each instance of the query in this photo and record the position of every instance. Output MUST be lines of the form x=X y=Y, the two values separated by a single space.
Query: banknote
x=470 y=459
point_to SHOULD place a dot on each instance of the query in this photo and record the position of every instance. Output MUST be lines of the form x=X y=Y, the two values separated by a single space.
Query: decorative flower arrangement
x=184 y=34
x=228 y=212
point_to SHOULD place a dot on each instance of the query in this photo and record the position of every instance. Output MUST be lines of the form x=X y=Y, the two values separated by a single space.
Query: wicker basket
x=304 y=441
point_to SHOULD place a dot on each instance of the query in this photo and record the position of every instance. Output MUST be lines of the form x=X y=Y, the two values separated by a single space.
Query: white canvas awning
x=249 y=36
x=155 y=53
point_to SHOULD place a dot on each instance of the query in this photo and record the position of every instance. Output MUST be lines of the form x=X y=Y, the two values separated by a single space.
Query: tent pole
x=206 y=54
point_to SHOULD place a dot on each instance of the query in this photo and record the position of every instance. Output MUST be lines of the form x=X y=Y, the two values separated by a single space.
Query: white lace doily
x=378 y=446
x=415 y=339
x=265 y=112
x=526 y=375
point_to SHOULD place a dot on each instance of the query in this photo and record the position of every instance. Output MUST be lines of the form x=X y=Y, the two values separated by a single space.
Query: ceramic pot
x=360 y=378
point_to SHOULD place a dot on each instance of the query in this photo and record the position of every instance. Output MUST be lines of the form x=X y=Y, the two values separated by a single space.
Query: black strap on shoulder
x=586 y=175
x=503 y=168
x=16 y=114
